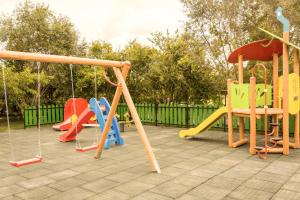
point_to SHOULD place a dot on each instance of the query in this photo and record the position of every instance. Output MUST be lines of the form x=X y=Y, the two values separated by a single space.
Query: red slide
x=82 y=119
x=63 y=126
x=79 y=104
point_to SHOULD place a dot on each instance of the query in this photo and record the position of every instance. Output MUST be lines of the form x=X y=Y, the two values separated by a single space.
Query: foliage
x=228 y=24
x=21 y=88
x=35 y=28
x=187 y=66
x=179 y=72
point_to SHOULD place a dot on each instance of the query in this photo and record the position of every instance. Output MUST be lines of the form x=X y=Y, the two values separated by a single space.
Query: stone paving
x=202 y=168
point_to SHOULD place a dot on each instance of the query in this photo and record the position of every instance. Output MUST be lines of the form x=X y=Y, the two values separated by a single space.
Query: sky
x=115 y=21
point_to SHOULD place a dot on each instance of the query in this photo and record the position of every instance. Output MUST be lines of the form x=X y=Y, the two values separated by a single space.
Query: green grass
x=15 y=123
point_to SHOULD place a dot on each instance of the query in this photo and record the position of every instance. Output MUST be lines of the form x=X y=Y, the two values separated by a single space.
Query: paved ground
x=203 y=168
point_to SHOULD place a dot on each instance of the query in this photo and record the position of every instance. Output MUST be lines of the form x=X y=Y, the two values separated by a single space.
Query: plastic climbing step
x=259 y=148
x=276 y=139
x=274 y=124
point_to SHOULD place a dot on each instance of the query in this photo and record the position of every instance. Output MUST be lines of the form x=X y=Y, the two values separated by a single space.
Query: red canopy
x=261 y=50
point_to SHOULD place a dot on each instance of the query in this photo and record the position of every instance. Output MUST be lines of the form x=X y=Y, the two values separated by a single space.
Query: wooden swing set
x=121 y=70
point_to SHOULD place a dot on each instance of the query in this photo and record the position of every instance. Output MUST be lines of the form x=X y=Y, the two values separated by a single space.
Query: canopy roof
x=261 y=50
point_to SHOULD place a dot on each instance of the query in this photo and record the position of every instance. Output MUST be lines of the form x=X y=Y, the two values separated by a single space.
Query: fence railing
x=49 y=114
x=178 y=115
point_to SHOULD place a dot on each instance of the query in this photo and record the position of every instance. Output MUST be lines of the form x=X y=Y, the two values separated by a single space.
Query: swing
x=39 y=157
x=121 y=70
x=78 y=146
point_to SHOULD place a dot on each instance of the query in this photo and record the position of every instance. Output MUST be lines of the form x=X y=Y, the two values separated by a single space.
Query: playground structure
x=101 y=109
x=255 y=100
x=121 y=70
x=72 y=110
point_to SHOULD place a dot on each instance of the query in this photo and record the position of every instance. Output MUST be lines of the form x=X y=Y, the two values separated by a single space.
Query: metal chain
x=39 y=110
x=77 y=144
x=12 y=150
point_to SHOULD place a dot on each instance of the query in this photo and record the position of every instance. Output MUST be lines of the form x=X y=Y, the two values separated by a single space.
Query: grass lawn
x=15 y=123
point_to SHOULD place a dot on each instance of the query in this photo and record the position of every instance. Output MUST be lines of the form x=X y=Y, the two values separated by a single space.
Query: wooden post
x=137 y=121
x=241 y=80
x=296 y=71
x=230 y=116
x=275 y=91
x=111 y=114
x=252 y=149
x=285 y=106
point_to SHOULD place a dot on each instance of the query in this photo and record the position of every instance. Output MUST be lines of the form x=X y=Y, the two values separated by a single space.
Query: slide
x=70 y=115
x=205 y=124
x=83 y=118
x=63 y=126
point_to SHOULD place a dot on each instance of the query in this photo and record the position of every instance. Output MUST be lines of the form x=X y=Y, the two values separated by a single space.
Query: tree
x=178 y=71
x=100 y=50
x=21 y=88
x=227 y=24
x=35 y=28
x=141 y=58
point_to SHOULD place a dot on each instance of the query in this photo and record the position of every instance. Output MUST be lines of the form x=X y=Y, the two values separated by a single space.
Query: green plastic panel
x=260 y=98
x=240 y=95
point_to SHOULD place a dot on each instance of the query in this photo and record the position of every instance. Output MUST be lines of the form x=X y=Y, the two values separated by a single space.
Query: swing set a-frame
x=121 y=70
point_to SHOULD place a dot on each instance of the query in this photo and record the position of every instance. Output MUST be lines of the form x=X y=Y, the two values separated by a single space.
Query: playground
x=202 y=168
x=99 y=147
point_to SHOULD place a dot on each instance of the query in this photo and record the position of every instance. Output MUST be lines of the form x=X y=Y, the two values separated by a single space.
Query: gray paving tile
x=91 y=175
x=134 y=187
x=208 y=192
x=292 y=186
x=262 y=185
x=10 y=190
x=73 y=194
x=122 y=177
x=191 y=197
x=171 y=189
x=36 y=173
x=11 y=180
x=224 y=183
x=151 y=196
x=295 y=178
x=67 y=184
x=286 y=195
x=11 y=198
x=99 y=185
x=110 y=195
x=189 y=180
x=63 y=174
x=172 y=171
x=267 y=176
x=154 y=178
x=37 y=193
x=250 y=194
x=36 y=182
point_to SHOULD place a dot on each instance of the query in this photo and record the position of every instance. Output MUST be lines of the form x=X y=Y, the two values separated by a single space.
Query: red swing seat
x=21 y=163
x=88 y=148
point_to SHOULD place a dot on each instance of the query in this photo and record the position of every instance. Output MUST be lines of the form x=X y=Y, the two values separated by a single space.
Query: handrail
x=38 y=57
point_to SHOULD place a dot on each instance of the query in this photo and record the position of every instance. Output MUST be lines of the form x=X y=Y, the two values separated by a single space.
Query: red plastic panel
x=77 y=127
x=261 y=50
